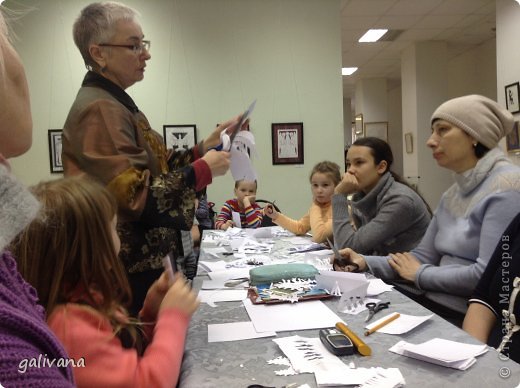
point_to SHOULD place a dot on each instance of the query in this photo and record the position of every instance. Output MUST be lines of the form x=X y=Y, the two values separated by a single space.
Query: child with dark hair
x=369 y=199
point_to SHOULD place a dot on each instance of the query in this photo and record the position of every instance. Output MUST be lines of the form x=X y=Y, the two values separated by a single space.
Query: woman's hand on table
x=405 y=264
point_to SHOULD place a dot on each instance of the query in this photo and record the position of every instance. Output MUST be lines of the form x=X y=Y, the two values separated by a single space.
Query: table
x=242 y=363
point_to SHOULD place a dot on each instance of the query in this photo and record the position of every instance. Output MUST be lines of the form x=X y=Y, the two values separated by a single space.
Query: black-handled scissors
x=374 y=308
x=339 y=260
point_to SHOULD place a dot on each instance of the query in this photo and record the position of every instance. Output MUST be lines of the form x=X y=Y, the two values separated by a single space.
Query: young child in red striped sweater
x=250 y=213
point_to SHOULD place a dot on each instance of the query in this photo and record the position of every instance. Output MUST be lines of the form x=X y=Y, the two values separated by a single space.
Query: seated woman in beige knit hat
x=472 y=214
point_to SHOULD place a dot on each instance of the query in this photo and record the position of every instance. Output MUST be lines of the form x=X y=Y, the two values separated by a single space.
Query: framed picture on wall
x=512 y=94
x=180 y=137
x=55 y=147
x=512 y=139
x=377 y=129
x=287 y=143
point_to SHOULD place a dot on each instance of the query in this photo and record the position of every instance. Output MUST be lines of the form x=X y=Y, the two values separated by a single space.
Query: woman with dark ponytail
x=384 y=214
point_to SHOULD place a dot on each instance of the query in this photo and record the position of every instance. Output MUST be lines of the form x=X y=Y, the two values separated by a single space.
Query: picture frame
x=55 y=149
x=287 y=143
x=358 y=119
x=513 y=139
x=408 y=142
x=512 y=97
x=377 y=129
x=180 y=137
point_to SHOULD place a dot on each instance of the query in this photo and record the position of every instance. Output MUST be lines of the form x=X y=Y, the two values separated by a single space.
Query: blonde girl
x=323 y=179
x=69 y=253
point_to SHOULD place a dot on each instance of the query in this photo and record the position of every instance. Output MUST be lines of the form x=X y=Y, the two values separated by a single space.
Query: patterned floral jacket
x=107 y=137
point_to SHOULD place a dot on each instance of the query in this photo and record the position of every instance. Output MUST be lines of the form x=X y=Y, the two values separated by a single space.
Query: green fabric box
x=277 y=272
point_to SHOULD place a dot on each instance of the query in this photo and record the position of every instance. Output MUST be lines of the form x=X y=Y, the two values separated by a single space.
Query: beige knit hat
x=480 y=117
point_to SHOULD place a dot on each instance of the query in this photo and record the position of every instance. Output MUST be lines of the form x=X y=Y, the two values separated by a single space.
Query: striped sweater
x=250 y=217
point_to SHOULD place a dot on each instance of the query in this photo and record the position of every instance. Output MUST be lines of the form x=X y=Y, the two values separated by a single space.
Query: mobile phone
x=336 y=342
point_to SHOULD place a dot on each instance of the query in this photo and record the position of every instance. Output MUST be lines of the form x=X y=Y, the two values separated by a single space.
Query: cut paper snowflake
x=285 y=372
x=296 y=284
x=280 y=360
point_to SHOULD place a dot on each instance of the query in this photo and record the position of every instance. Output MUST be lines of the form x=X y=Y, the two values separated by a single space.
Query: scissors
x=339 y=260
x=226 y=145
x=374 y=308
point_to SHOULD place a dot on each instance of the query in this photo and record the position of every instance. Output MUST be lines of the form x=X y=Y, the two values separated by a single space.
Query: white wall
x=210 y=59
x=474 y=72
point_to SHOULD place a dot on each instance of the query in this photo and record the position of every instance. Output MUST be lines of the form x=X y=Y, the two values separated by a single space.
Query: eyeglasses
x=136 y=48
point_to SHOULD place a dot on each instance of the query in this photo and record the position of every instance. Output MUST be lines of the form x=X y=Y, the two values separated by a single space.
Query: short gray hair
x=96 y=24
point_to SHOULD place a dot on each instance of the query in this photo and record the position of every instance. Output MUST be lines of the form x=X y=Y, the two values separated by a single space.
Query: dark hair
x=480 y=150
x=380 y=151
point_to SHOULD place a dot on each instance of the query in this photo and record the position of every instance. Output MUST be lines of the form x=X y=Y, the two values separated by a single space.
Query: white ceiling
x=463 y=24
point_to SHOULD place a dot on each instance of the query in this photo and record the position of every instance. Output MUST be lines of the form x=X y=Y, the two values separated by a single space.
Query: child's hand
x=270 y=212
x=249 y=200
x=228 y=224
x=181 y=297
x=154 y=297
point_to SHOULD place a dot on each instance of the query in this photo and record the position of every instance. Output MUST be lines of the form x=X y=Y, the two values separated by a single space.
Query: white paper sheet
x=212 y=266
x=296 y=240
x=442 y=352
x=401 y=325
x=234 y=331
x=236 y=219
x=291 y=316
x=212 y=296
x=377 y=286
x=361 y=377
x=229 y=273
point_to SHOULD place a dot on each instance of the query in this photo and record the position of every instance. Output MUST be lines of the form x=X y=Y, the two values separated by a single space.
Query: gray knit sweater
x=390 y=218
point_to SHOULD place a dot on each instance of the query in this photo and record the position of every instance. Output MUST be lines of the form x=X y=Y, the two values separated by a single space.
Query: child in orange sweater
x=324 y=178
x=69 y=254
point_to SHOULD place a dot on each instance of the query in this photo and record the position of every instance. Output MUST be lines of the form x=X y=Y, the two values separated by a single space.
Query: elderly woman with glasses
x=108 y=137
